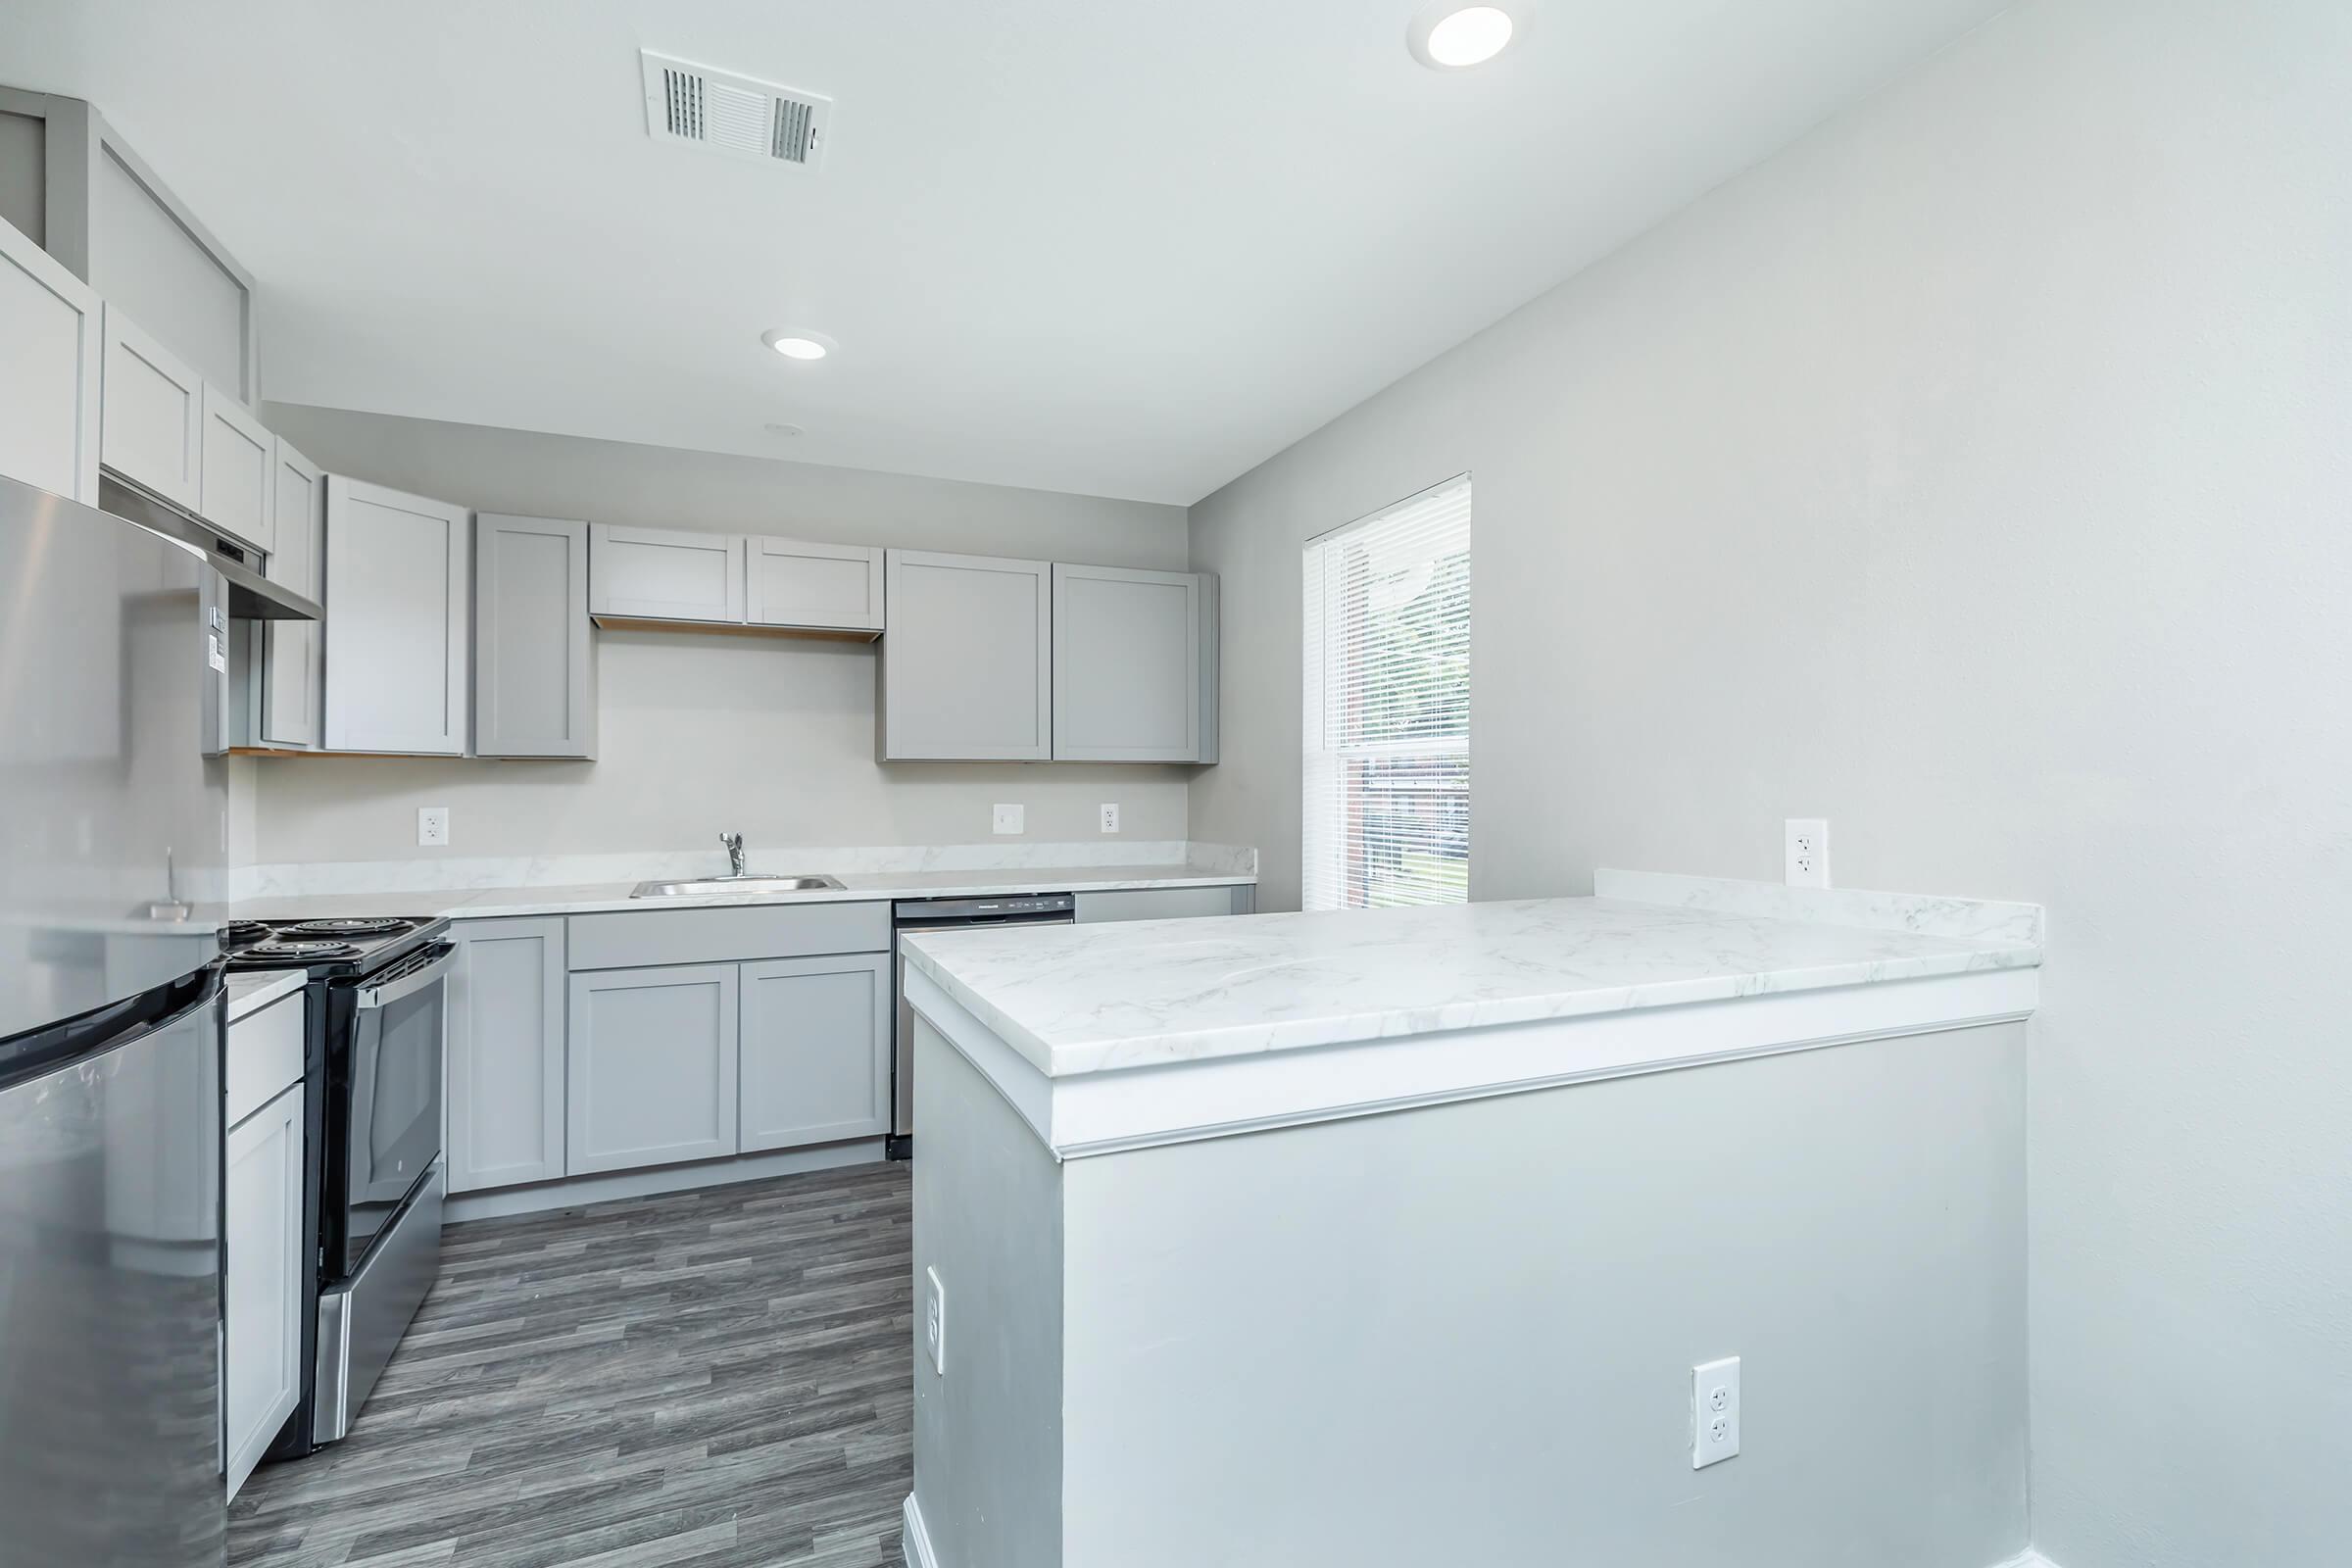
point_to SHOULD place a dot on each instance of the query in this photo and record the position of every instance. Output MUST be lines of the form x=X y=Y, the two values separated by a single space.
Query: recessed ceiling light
x=795 y=343
x=1452 y=36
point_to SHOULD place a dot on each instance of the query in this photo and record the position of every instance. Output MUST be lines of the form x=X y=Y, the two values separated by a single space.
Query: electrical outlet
x=935 y=1321
x=1110 y=817
x=432 y=825
x=1805 y=851
x=1008 y=818
x=1714 y=1412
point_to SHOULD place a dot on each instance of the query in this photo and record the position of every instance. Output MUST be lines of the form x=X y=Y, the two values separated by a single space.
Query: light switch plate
x=1008 y=818
x=432 y=825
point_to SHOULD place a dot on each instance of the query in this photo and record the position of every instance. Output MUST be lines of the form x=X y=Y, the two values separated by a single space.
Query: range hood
x=251 y=596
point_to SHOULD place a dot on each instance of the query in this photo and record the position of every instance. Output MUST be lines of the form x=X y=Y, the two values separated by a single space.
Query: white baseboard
x=499 y=1203
x=916 y=1543
x=916 y=1540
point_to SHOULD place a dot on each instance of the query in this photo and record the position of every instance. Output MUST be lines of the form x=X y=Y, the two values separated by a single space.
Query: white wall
x=1975 y=473
x=773 y=736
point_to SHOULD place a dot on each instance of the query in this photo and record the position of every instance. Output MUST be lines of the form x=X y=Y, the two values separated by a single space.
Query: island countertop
x=1087 y=1000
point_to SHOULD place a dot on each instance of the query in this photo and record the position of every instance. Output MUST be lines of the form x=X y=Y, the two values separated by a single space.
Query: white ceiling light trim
x=799 y=344
x=1450 y=36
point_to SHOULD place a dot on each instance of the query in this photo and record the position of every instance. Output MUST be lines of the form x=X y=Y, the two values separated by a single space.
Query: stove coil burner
x=352 y=926
x=239 y=933
x=301 y=950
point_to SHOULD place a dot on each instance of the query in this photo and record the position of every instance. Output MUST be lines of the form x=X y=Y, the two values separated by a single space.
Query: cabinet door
x=151 y=415
x=292 y=652
x=649 y=1073
x=534 y=655
x=235 y=471
x=505 y=1054
x=49 y=377
x=816 y=1049
x=261 y=1367
x=965 y=672
x=1128 y=672
x=827 y=587
x=665 y=574
x=399 y=633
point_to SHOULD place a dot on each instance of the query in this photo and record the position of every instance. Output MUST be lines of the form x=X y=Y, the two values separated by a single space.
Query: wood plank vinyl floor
x=702 y=1379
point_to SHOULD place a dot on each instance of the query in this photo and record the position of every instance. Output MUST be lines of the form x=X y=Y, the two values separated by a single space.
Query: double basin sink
x=701 y=887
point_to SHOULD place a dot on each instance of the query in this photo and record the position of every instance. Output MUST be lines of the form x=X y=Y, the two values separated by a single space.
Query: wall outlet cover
x=1110 y=817
x=1805 y=851
x=1714 y=1411
x=432 y=826
x=1008 y=818
x=935 y=1320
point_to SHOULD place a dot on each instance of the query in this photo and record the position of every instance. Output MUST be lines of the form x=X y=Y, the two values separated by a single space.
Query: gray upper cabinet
x=816 y=1035
x=235 y=478
x=813 y=586
x=151 y=415
x=49 y=376
x=1134 y=666
x=534 y=652
x=292 y=662
x=399 y=624
x=652 y=1068
x=965 y=669
x=505 y=1054
x=665 y=574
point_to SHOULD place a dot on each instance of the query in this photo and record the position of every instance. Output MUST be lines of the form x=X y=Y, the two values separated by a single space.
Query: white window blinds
x=1387 y=723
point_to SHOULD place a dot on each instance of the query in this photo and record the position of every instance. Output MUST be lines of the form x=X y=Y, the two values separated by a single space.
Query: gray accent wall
x=771 y=736
x=1972 y=474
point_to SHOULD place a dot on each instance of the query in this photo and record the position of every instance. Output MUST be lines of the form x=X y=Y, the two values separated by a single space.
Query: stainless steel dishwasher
x=947 y=915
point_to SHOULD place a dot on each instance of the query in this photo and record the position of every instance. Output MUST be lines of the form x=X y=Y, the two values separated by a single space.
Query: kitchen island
x=1394 y=1236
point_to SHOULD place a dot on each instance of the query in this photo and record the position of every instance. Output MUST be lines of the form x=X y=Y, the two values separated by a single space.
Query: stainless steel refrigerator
x=113 y=821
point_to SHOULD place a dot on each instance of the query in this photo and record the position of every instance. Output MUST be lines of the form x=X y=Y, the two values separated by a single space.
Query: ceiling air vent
x=730 y=114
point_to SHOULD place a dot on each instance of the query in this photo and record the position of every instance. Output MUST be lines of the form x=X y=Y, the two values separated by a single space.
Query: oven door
x=393 y=1133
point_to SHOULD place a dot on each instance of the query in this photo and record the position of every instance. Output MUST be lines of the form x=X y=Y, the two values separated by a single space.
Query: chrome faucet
x=734 y=843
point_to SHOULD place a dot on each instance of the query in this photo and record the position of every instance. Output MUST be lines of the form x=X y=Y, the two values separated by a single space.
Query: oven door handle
x=373 y=997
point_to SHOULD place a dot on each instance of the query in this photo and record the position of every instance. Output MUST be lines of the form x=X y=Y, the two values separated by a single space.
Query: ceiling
x=1119 y=247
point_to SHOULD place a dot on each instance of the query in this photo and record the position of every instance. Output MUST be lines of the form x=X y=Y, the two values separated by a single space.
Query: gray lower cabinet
x=534 y=650
x=1135 y=671
x=1164 y=904
x=260 y=1364
x=816 y=1037
x=505 y=1054
x=399 y=624
x=967 y=667
x=651 y=1068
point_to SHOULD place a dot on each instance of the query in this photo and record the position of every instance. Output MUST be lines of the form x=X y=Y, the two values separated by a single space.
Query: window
x=1387 y=808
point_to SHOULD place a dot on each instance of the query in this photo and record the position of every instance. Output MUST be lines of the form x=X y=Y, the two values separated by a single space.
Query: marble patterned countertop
x=1089 y=999
x=588 y=884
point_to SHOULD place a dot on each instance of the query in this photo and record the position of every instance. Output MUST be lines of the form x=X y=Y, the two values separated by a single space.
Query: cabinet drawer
x=265 y=1055
x=633 y=938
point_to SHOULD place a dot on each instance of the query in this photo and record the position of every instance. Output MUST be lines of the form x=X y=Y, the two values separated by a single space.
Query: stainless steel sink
x=697 y=887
